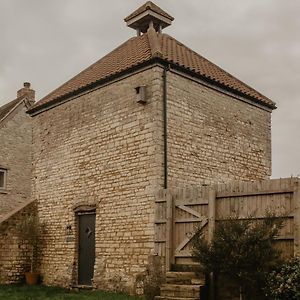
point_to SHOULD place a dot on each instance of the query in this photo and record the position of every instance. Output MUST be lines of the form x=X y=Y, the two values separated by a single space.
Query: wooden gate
x=179 y=212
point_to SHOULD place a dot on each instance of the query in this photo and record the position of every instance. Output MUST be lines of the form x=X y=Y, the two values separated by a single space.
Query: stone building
x=150 y=114
x=15 y=178
x=15 y=151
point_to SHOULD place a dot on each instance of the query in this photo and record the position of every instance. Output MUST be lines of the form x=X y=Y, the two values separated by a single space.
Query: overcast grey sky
x=258 y=41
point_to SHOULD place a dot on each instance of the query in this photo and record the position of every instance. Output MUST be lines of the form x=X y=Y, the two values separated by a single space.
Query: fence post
x=211 y=213
x=296 y=198
x=169 y=230
x=211 y=228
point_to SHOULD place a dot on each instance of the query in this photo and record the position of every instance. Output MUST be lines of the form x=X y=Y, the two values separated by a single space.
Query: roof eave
x=220 y=85
x=35 y=110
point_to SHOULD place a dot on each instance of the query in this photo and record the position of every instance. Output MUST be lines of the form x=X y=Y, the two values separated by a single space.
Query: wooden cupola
x=148 y=15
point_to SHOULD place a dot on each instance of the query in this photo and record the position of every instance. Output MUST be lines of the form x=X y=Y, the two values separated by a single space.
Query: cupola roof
x=147 y=15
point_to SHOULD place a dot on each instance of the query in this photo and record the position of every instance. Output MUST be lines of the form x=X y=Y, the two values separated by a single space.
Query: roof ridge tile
x=154 y=42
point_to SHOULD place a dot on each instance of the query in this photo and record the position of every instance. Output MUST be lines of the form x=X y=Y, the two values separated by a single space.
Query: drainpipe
x=166 y=68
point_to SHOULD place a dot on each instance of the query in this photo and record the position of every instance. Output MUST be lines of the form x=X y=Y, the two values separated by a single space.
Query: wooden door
x=86 y=250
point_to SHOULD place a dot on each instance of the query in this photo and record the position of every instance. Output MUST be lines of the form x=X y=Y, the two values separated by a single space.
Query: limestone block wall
x=13 y=251
x=15 y=156
x=213 y=136
x=105 y=150
x=102 y=149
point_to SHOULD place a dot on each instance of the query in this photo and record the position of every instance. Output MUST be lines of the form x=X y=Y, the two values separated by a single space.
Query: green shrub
x=284 y=282
x=30 y=230
x=241 y=250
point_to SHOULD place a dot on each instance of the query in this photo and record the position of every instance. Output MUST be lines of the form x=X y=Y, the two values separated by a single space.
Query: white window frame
x=4 y=172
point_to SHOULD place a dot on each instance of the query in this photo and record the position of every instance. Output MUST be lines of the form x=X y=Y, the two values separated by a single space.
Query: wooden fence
x=180 y=211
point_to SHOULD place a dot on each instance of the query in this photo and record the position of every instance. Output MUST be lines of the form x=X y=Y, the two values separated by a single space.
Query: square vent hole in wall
x=141 y=94
x=3 y=178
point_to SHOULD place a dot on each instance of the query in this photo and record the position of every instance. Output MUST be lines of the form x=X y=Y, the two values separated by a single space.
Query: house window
x=3 y=173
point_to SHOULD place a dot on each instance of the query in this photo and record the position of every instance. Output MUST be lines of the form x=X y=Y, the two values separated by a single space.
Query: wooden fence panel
x=297 y=218
x=179 y=212
x=160 y=223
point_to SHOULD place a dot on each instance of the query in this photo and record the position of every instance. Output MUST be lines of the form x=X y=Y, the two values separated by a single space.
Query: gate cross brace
x=204 y=221
x=189 y=210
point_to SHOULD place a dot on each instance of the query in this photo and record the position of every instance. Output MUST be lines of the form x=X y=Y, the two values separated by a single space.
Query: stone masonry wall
x=101 y=149
x=213 y=137
x=15 y=156
x=13 y=251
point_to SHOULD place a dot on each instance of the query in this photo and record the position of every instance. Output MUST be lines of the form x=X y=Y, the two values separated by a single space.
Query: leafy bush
x=242 y=250
x=284 y=282
x=30 y=230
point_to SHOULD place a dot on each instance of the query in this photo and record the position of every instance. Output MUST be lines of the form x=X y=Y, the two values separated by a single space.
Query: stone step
x=180 y=290
x=79 y=287
x=199 y=281
x=174 y=298
x=185 y=281
x=185 y=278
x=186 y=268
x=183 y=275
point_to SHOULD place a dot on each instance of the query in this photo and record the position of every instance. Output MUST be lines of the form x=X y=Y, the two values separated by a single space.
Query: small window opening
x=3 y=178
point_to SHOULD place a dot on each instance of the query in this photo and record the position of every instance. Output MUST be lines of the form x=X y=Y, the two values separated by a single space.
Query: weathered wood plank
x=191 y=201
x=183 y=244
x=189 y=210
x=283 y=238
x=211 y=213
x=254 y=193
x=258 y=217
x=158 y=221
x=190 y=220
x=297 y=218
x=160 y=200
x=211 y=229
x=188 y=238
x=184 y=253
x=169 y=231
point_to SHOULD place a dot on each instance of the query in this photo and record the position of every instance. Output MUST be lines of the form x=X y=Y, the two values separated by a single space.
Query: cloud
x=47 y=42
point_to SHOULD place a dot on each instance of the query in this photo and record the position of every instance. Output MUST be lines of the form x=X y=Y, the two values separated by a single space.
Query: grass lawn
x=25 y=292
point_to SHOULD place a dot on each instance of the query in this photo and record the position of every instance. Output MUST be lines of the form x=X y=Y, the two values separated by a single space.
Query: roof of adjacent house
x=144 y=48
x=25 y=94
x=5 y=217
x=8 y=107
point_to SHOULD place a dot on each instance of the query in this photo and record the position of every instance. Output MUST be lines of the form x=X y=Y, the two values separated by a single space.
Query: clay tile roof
x=6 y=108
x=148 y=5
x=133 y=52
x=175 y=52
x=141 y=49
